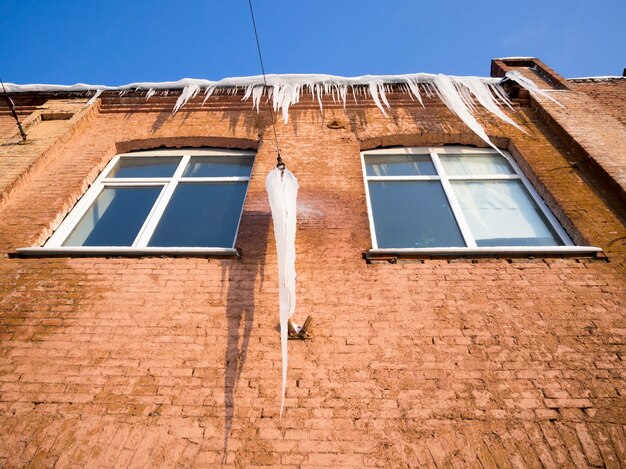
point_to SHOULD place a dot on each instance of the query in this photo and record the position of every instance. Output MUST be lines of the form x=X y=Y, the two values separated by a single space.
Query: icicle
x=344 y=96
x=93 y=98
x=282 y=191
x=150 y=93
x=529 y=85
x=207 y=94
x=499 y=92
x=352 y=89
x=485 y=97
x=189 y=91
x=447 y=91
x=375 y=88
x=254 y=91
x=414 y=89
x=318 y=93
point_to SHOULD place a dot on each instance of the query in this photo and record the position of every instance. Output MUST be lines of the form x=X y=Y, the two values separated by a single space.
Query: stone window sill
x=391 y=255
x=127 y=252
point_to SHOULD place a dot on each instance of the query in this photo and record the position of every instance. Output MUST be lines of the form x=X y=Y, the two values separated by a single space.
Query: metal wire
x=258 y=47
x=13 y=111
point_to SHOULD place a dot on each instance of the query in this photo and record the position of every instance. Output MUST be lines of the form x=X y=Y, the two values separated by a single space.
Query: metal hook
x=280 y=164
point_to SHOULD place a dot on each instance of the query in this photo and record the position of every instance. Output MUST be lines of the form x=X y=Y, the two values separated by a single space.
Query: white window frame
x=54 y=245
x=568 y=246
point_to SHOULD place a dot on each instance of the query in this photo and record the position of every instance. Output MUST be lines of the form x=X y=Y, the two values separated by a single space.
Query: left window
x=163 y=200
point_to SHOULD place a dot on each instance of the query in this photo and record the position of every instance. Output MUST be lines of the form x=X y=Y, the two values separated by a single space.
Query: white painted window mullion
x=402 y=178
x=76 y=214
x=131 y=181
x=370 y=213
x=81 y=207
x=215 y=179
x=454 y=204
x=135 y=183
x=551 y=220
x=157 y=211
x=483 y=177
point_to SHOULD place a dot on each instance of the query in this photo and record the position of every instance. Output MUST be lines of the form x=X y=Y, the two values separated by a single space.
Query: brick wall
x=610 y=93
x=165 y=361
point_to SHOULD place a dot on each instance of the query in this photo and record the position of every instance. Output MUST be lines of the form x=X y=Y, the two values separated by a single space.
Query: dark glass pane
x=399 y=165
x=144 y=167
x=219 y=166
x=115 y=218
x=201 y=215
x=502 y=213
x=413 y=214
x=469 y=165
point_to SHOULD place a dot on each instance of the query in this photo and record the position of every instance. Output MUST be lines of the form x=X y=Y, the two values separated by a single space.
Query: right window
x=455 y=197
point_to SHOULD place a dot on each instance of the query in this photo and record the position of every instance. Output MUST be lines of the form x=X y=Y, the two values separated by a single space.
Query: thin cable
x=258 y=47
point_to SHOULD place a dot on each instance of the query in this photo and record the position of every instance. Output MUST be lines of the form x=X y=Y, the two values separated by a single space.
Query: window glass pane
x=219 y=166
x=468 y=165
x=201 y=215
x=413 y=214
x=115 y=218
x=502 y=213
x=399 y=165
x=138 y=167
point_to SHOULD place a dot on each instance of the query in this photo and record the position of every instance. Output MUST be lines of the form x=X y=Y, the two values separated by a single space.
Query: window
x=455 y=200
x=159 y=201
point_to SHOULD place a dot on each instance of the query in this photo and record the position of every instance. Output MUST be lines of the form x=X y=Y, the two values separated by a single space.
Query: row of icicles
x=462 y=95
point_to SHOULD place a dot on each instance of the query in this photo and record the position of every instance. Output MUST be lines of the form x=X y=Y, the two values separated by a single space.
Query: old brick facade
x=165 y=361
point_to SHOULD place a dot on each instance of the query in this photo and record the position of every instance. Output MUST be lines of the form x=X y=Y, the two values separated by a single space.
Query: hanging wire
x=280 y=164
x=13 y=111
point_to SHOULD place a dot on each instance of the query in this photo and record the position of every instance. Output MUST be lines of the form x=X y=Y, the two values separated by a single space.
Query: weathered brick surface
x=609 y=93
x=46 y=127
x=175 y=361
x=589 y=118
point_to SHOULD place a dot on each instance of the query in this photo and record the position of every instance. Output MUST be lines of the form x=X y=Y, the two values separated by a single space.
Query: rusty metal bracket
x=295 y=332
x=379 y=259
x=11 y=105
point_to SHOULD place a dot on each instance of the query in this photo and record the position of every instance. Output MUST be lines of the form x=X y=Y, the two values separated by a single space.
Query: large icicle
x=93 y=98
x=484 y=94
x=530 y=85
x=282 y=191
x=190 y=91
x=454 y=95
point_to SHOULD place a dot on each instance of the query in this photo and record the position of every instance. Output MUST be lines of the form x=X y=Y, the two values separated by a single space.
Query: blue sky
x=115 y=42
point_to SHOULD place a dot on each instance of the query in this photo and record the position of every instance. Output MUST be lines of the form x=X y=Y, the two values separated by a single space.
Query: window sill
x=126 y=252
x=501 y=251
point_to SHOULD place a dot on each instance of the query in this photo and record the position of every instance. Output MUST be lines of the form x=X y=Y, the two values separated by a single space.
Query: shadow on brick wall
x=242 y=278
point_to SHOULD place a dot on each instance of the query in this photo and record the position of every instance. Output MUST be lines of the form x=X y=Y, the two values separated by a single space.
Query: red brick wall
x=46 y=126
x=610 y=93
x=158 y=361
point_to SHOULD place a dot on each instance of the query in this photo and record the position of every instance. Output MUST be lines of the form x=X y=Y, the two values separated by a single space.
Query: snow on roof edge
x=598 y=78
x=233 y=82
x=460 y=94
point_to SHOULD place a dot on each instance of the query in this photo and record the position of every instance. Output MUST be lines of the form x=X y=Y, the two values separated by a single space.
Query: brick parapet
x=48 y=127
x=532 y=68
x=610 y=93
x=589 y=122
